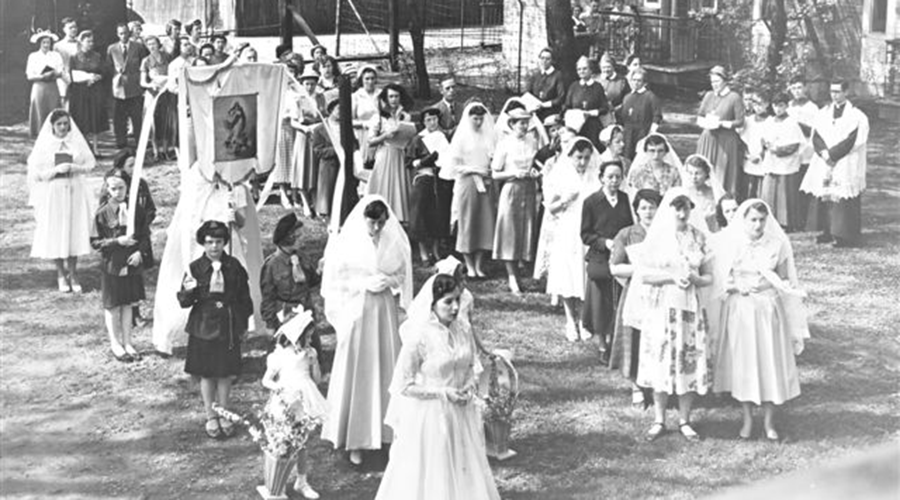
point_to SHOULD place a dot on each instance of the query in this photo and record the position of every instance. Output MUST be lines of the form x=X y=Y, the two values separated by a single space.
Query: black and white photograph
x=450 y=249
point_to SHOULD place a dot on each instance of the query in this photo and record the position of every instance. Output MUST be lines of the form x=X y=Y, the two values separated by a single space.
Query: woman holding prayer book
x=721 y=115
x=44 y=70
x=62 y=205
x=390 y=177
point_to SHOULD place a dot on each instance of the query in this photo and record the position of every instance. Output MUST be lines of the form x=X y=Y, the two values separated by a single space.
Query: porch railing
x=656 y=39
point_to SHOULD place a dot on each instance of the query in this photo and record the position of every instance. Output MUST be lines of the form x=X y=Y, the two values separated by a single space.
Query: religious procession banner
x=235 y=115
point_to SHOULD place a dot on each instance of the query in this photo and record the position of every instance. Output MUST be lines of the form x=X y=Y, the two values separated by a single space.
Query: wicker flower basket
x=502 y=395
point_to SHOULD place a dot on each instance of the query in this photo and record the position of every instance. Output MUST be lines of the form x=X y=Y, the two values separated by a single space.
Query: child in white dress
x=292 y=371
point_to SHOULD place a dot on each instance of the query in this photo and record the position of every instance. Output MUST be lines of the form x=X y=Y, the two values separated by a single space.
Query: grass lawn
x=74 y=423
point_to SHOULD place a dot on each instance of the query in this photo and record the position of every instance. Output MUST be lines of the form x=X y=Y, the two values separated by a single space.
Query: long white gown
x=438 y=451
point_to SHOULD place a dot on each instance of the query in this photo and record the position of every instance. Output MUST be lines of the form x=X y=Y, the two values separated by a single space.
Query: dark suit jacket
x=126 y=68
x=600 y=221
x=449 y=120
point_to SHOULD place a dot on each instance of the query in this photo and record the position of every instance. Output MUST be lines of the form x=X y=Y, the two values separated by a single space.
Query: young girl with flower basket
x=292 y=372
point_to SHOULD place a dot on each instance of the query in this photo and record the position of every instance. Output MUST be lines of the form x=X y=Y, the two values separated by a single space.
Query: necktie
x=217 y=282
x=296 y=270
x=123 y=214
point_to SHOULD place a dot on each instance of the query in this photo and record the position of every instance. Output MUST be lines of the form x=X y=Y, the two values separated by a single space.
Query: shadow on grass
x=559 y=453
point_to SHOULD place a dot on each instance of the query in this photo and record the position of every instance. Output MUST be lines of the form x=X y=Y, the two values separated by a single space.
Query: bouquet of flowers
x=278 y=428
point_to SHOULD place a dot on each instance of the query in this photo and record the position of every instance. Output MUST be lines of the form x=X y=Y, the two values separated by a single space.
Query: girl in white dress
x=62 y=206
x=292 y=372
x=763 y=321
x=574 y=178
x=439 y=451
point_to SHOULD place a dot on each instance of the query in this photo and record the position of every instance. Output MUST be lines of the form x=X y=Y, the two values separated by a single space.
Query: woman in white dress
x=46 y=72
x=469 y=160
x=439 y=450
x=365 y=107
x=574 y=178
x=62 y=205
x=389 y=177
x=763 y=322
x=672 y=267
x=367 y=264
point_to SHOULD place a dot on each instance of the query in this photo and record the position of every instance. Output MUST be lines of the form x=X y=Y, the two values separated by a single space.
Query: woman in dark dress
x=87 y=95
x=587 y=95
x=721 y=114
x=640 y=114
x=626 y=342
x=603 y=215
x=216 y=290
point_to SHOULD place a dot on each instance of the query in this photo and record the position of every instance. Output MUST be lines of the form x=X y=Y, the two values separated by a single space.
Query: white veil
x=534 y=124
x=734 y=240
x=351 y=258
x=671 y=157
x=43 y=155
x=564 y=174
x=472 y=147
x=658 y=253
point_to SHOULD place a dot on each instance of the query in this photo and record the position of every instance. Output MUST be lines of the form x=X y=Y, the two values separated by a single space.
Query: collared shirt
x=280 y=290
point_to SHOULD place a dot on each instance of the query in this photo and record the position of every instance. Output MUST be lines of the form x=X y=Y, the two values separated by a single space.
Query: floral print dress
x=675 y=353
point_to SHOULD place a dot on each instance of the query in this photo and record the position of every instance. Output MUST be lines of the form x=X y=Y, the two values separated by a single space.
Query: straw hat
x=39 y=34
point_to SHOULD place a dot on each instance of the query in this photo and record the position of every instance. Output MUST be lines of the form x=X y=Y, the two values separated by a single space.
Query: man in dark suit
x=124 y=57
x=450 y=109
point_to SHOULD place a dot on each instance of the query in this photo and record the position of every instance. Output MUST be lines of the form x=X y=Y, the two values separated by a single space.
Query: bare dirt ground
x=74 y=423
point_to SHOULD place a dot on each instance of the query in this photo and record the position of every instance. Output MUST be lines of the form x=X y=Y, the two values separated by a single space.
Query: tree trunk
x=417 y=33
x=560 y=36
x=775 y=55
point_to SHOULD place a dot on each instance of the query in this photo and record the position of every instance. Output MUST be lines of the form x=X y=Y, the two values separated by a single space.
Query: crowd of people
x=682 y=271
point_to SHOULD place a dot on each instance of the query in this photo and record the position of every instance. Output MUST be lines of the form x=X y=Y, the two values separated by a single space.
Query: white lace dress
x=438 y=451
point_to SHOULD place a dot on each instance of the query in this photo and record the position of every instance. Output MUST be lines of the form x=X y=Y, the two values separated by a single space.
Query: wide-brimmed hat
x=39 y=34
x=552 y=120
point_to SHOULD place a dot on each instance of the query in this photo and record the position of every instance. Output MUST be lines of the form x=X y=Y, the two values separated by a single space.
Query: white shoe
x=584 y=334
x=305 y=490
x=571 y=332
x=356 y=457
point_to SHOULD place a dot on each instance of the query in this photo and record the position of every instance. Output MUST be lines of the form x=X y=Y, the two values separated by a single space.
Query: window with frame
x=709 y=5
